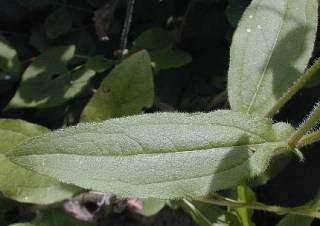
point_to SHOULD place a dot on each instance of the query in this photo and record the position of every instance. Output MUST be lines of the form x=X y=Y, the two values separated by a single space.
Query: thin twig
x=126 y=28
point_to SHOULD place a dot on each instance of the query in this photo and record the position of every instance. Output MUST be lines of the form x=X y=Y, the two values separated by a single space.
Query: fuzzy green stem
x=303 y=211
x=308 y=124
x=294 y=89
x=309 y=139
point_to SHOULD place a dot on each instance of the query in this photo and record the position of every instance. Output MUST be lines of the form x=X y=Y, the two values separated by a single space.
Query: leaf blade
x=21 y=184
x=57 y=23
x=125 y=91
x=268 y=55
x=9 y=61
x=47 y=82
x=165 y=155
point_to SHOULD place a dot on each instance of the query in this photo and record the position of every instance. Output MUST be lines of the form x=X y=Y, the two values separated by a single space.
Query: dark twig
x=126 y=27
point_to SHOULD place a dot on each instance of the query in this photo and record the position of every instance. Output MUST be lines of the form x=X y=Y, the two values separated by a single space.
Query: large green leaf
x=47 y=82
x=18 y=183
x=162 y=155
x=125 y=91
x=9 y=61
x=270 y=49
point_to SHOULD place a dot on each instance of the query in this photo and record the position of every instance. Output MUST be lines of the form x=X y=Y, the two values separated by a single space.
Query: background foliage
x=54 y=71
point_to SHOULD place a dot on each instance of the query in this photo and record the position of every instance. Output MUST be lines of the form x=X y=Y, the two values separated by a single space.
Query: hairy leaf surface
x=21 y=184
x=162 y=155
x=270 y=50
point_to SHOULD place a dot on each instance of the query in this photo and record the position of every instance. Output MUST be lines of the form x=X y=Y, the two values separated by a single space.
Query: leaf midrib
x=154 y=153
x=267 y=64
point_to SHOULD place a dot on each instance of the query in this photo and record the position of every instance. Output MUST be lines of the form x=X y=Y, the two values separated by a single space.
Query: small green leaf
x=295 y=220
x=159 y=43
x=155 y=39
x=58 y=23
x=47 y=82
x=125 y=91
x=20 y=184
x=270 y=50
x=152 y=206
x=205 y=214
x=9 y=61
x=98 y=63
x=54 y=217
x=162 y=155
x=13 y=132
x=58 y=217
x=167 y=58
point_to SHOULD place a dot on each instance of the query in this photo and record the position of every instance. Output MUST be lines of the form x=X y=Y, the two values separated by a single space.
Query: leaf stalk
x=294 y=89
x=309 y=139
x=308 y=124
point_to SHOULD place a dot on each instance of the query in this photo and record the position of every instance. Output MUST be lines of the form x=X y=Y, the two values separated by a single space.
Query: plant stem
x=244 y=214
x=263 y=207
x=294 y=89
x=308 y=124
x=309 y=139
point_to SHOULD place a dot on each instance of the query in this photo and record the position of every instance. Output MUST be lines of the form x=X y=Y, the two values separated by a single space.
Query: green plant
x=173 y=156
